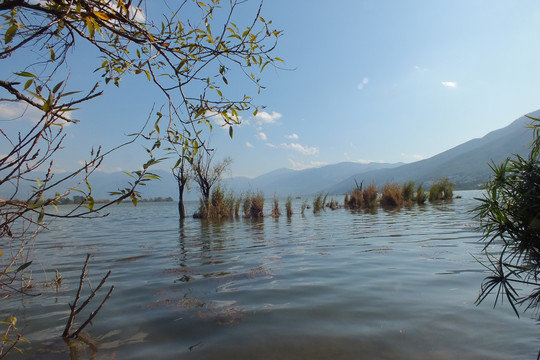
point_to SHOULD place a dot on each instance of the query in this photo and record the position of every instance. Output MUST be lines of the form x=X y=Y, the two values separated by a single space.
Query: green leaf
x=57 y=87
x=21 y=268
x=26 y=74
x=10 y=33
x=231 y=131
x=41 y=215
x=28 y=83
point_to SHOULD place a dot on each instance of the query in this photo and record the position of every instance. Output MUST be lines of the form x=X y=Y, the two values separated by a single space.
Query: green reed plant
x=420 y=195
x=441 y=190
x=246 y=204
x=318 y=203
x=407 y=192
x=356 y=200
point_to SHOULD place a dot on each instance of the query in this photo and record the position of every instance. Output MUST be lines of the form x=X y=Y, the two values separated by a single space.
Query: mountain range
x=466 y=165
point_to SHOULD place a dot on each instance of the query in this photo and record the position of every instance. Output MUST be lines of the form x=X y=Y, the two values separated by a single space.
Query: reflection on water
x=339 y=284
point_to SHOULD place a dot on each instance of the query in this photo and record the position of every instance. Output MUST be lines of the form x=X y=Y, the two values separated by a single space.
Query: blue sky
x=388 y=81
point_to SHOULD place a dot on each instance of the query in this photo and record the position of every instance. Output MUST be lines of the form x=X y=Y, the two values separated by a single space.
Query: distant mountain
x=466 y=165
x=283 y=182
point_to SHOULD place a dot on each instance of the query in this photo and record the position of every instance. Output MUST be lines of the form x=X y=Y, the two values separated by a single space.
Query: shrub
x=257 y=205
x=509 y=217
x=346 y=201
x=391 y=195
x=370 y=196
x=288 y=206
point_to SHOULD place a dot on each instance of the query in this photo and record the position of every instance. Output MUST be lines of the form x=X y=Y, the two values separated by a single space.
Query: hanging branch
x=75 y=311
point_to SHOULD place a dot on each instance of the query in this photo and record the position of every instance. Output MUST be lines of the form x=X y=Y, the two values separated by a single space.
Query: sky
x=362 y=81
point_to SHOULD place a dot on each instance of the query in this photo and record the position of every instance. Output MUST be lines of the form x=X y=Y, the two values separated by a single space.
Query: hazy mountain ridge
x=467 y=165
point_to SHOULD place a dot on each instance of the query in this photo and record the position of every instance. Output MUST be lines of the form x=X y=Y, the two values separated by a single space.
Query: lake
x=334 y=285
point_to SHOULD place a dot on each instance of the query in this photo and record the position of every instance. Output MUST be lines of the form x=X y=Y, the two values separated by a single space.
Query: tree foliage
x=510 y=219
x=188 y=54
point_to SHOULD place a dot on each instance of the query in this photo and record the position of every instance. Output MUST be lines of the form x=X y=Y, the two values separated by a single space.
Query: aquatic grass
x=304 y=206
x=420 y=195
x=288 y=206
x=257 y=206
x=369 y=196
x=407 y=192
x=441 y=190
x=275 y=207
x=318 y=203
x=391 y=195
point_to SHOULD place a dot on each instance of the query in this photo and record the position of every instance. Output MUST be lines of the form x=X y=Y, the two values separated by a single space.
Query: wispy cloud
x=264 y=117
x=363 y=83
x=299 y=165
x=292 y=136
x=261 y=136
x=450 y=84
x=306 y=150
x=20 y=111
x=249 y=145
x=412 y=157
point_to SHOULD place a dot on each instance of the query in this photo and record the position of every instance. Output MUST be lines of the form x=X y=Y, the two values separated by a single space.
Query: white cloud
x=450 y=84
x=20 y=111
x=249 y=145
x=261 y=136
x=411 y=157
x=306 y=150
x=263 y=117
x=363 y=83
x=299 y=165
x=292 y=136
x=219 y=120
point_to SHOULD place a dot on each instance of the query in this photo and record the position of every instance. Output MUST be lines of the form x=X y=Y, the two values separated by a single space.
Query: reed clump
x=318 y=203
x=407 y=193
x=288 y=206
x=420 y=195
x=275 y=207
x=370 y=196
x=332 y=204
x=391 y=195
x=257 y=206
x=441 y=190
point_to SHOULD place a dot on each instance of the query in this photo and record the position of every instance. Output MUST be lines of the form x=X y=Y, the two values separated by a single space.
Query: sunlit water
x=334 y=285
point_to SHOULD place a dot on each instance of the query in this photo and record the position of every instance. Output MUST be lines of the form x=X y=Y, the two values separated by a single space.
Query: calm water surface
x=335 y=285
